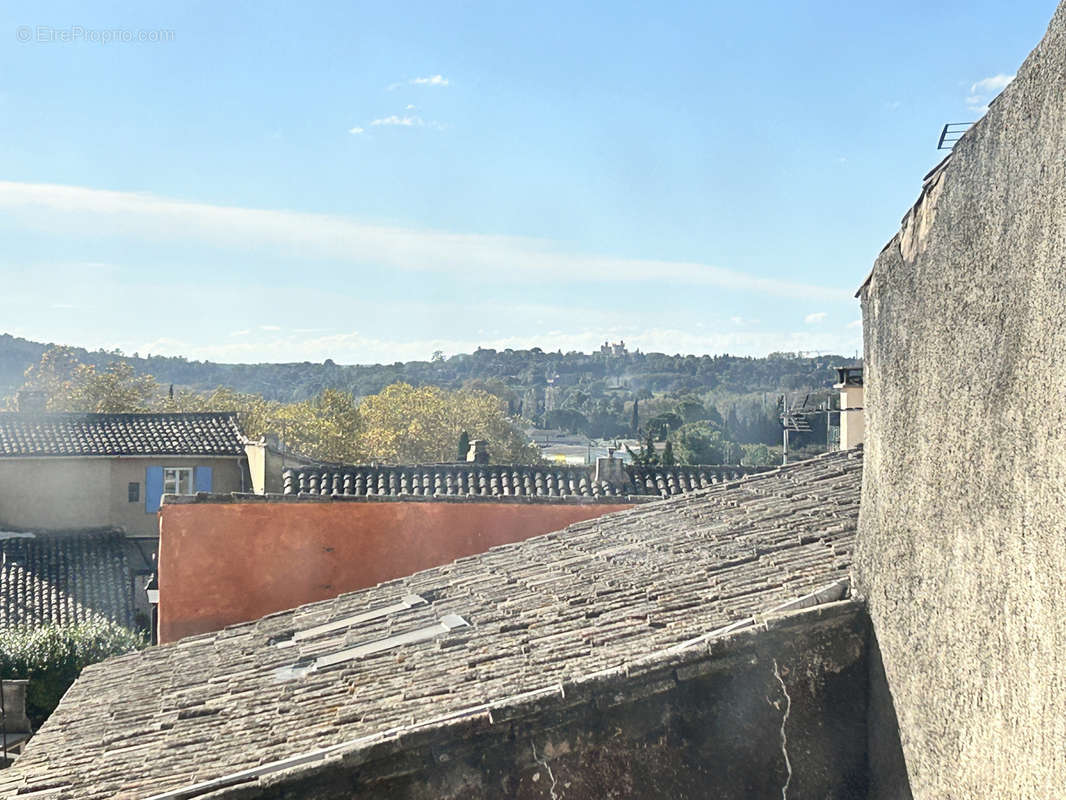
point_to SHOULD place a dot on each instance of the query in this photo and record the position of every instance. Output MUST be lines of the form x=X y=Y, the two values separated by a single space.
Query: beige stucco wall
x=266 y=465
x=257 y=467
x=852 y=423
x=54 y=493
x=962 y=542
x=60 y=493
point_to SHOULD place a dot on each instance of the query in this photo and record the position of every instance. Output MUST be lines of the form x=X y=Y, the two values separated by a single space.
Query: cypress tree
x=668 y=454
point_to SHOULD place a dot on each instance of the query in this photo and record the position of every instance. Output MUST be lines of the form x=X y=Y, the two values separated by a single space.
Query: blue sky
x=373 y=182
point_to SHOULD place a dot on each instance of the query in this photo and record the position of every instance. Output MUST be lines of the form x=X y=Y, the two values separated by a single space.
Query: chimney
x=611 y=470
x=478 y=452
x=852 y=422
x=31 y=401
x=14 y=724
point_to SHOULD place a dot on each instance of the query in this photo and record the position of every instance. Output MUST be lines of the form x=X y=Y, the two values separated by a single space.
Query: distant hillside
x=519 y=369
x=593 y=392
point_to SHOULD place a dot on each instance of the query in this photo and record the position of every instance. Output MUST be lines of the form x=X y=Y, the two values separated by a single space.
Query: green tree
x=646 y=456
x=52 y=657
x=691 y=410
x=464 y=446
x=634 y=426
x=661 y=425
x=701 y=443
x=760 y=455
x=668 y=459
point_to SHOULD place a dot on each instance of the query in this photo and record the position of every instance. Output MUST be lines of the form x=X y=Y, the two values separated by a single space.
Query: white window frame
x=172 y=480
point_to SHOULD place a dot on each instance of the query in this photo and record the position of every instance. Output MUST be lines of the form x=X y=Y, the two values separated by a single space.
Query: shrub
x=52 y=657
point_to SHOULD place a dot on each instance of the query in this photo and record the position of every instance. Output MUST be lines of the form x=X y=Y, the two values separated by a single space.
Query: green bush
x=52 y=657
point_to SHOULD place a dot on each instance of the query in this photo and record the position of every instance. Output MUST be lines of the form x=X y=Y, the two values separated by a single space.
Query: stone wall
x=962 y=544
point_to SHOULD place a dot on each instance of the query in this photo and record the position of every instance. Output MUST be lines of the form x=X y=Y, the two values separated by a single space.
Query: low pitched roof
x=73 y=434
x=517 y=627
x=504 y=480
x=64 y=578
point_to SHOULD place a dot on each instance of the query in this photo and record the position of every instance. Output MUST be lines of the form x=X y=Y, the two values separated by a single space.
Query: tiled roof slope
x=64 y=578
x=199 y=434
x=503 y=480
x=545 y=615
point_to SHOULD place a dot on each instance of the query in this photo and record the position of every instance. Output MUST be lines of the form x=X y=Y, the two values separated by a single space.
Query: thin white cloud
x=356 y=130
x=406 y=121
x=982 y=92
x=63 y=306
x=815 y=318
x=997 y=83
x=429 y=80
x=409 y=107
x=270 y=327
x=240 y=333
x=432 y=80
x=96 y=213
x=855 y=323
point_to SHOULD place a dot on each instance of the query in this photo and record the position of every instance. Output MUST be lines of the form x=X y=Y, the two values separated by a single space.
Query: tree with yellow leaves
x=408 y=425
x=400 y=425
x=70 y=385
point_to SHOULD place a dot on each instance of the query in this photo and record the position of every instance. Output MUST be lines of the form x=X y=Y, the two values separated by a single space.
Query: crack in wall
x=544 y=763
x=784 y=735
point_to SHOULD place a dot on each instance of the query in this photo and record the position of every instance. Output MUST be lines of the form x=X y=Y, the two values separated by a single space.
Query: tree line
x=402 y=424
x=713 y=409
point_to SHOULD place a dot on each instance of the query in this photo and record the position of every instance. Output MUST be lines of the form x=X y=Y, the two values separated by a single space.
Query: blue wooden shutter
x=153 y=489
x=203 y=479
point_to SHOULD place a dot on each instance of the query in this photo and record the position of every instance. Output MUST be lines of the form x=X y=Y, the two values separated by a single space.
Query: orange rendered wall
x=221 y=563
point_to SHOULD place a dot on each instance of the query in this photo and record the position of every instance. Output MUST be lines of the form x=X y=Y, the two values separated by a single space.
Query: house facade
x=76 y=471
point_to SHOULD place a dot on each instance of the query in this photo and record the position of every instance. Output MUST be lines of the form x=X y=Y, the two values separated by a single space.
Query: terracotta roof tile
x=503 y=480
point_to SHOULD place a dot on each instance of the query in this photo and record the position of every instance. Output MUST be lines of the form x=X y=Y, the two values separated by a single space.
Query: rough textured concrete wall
x=710 y=729
x=962 y=548
x=221 y=563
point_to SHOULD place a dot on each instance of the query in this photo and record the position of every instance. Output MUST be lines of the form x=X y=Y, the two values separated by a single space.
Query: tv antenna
x=951 y=133
x=794 y=417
